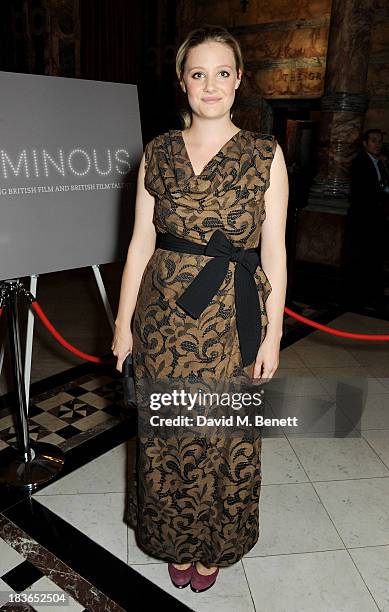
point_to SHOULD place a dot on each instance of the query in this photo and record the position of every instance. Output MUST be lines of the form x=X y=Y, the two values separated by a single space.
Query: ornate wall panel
x=378 y=75
x=272 y=11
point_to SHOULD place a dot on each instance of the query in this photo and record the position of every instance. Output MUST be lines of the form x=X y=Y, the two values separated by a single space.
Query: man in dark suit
x=366 y=226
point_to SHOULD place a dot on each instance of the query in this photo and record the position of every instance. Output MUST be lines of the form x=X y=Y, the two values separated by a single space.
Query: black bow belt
x=205 y=285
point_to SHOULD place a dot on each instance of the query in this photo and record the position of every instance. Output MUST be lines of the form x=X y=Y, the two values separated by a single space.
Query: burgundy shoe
x=200 y=583
x=180 y=578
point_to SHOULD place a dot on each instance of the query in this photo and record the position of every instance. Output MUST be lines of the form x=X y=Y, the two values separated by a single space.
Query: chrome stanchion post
x=21 y=407
x=31 y=464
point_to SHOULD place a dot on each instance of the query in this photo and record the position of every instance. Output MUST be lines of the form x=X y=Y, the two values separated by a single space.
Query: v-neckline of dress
x=214 y=157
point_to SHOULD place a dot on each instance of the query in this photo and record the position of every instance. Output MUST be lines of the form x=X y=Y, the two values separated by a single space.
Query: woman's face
x=210 y=79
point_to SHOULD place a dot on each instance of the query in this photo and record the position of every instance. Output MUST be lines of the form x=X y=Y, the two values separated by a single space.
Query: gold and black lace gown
x=198 y=499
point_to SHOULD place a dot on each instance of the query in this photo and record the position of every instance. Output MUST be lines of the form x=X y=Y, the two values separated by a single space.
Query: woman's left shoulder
x=263 y=142
x=261 y=136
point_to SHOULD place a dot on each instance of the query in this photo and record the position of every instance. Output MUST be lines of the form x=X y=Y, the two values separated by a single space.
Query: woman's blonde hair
x=196 y=37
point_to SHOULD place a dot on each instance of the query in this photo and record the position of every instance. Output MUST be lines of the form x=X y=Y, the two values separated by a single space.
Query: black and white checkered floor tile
x=69 y=413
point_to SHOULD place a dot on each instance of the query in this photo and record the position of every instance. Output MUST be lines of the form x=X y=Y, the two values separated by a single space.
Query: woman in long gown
x=196 y=500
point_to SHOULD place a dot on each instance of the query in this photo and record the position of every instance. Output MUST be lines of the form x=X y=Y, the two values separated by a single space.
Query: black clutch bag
x=128 y=382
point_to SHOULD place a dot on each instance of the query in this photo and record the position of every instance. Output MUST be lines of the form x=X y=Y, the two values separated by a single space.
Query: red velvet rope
x=62 y=340
x=295 y=315
x=335 y=332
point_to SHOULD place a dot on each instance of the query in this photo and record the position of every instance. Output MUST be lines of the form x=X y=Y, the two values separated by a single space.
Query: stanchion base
x=47 y=461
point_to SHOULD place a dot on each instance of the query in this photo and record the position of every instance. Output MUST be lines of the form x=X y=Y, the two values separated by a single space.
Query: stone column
x=343 y=104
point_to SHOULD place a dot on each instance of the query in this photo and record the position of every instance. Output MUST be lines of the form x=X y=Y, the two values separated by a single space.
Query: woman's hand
x=267 y=361
x=121 y=345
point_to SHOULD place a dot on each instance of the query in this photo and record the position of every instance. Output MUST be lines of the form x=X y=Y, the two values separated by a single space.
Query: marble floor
x=324 y=509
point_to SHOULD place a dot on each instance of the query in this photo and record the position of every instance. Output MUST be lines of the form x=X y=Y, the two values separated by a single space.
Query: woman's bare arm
x=140 y=250
x=273 y=249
